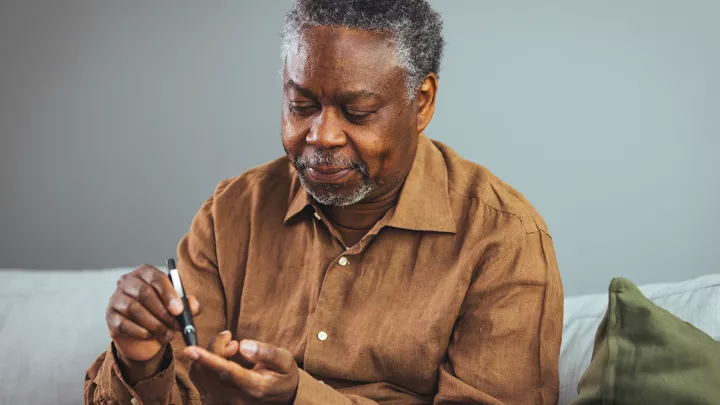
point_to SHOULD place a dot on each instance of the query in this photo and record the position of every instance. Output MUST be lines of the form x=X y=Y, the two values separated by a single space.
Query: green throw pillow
x=643 y=354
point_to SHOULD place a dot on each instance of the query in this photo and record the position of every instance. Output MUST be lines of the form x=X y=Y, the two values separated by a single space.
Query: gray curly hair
x=415 y=27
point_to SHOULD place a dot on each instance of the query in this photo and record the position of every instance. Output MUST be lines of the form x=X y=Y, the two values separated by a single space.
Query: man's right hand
x=141 y=315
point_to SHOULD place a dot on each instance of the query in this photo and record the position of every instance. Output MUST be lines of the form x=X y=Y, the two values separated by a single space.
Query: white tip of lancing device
x=175 y=277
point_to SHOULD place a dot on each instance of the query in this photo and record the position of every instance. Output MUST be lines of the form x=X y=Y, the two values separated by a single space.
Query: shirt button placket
x=322 y=335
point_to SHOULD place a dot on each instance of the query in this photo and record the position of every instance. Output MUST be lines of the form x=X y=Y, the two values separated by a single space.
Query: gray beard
x=330 y=196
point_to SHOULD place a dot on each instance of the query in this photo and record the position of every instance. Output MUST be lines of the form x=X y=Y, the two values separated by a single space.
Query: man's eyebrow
x=351 y=96
x=305 y=92
x=345 y=97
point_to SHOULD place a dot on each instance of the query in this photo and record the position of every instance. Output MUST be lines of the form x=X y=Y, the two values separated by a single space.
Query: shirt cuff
x=153 y=391
x=157 y=389
x=314 y=392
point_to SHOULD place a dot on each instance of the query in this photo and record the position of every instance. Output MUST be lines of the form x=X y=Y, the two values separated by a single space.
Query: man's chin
x=340 y=195
x=327 y=196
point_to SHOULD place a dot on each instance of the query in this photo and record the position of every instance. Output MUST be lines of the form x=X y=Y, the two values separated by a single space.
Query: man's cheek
x=292 y=140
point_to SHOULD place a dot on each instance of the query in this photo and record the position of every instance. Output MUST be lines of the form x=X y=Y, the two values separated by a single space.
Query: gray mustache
x=330 y=159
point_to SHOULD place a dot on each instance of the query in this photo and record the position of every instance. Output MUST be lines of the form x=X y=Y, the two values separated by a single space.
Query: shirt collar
x=300 y=200
x=424 y=201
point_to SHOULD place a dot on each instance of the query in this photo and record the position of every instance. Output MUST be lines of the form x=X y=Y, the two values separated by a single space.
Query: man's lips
x=327 y=174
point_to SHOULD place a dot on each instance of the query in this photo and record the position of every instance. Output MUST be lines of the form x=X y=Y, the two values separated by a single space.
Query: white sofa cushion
x=52 y=328
x=696 y=301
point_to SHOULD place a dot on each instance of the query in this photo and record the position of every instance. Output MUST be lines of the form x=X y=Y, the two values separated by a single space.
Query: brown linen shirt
x=454 y=297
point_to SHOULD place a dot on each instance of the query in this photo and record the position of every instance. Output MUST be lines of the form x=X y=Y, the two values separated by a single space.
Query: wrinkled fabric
x=453 y=297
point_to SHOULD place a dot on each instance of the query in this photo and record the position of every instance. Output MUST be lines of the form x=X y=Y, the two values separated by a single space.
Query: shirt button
x=322 y=335
x=317 y=216
x=343 y=261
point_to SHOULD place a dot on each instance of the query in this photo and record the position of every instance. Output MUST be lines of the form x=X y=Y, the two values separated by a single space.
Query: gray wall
x=117 y=119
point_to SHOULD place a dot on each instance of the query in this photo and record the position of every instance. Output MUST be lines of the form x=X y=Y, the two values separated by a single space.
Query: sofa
x=52 y=327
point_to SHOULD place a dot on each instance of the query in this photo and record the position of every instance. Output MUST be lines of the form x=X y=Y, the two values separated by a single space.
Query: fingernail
x=169 y=335
x=193 y=354
x=175 y=305
x=248 y=348
x=225 y=332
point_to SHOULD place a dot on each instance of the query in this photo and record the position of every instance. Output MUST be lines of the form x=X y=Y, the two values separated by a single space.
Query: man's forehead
x=352 y=59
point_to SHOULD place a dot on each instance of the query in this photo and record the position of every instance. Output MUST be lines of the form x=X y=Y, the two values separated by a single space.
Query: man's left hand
x=273 y=379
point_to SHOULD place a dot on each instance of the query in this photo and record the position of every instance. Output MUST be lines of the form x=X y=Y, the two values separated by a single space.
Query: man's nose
x=326 y=131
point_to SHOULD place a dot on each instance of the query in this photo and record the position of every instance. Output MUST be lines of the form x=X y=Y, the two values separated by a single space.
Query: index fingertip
x=249 y=348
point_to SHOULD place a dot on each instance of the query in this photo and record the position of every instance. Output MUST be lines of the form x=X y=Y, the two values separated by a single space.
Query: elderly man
x=369 y=265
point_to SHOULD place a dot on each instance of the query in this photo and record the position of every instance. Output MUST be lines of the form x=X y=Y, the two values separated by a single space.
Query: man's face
x=347 y=124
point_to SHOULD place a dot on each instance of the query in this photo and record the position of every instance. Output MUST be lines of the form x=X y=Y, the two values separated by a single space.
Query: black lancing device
x=185 y=318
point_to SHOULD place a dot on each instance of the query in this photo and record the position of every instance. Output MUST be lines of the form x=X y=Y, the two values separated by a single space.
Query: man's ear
x=426 y=101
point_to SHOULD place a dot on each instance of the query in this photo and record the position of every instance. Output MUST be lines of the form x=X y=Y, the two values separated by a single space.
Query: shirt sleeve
x=197 y=264
x=104 y=384
x=505 y=345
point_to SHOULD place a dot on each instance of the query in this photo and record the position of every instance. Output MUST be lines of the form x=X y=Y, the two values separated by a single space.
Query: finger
x=231 y=349
x=144 y=293
x=136 y=312
x=275 y=358
x=226 y=369
x=195 y=307
x=120 y=326
x=218 y=342
x=164 y=288
x=173 y=335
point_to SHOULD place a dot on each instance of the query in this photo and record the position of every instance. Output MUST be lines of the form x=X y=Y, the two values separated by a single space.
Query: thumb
x=194 y=304
x=274 y=358
x=219 y=343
